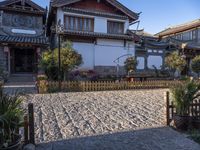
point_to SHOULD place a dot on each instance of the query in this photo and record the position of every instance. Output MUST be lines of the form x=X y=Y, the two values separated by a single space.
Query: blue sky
x=159 y=14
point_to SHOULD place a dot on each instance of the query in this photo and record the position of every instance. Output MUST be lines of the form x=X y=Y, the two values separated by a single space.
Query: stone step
x=23 y=89
x=20 y=83
x=21 y=78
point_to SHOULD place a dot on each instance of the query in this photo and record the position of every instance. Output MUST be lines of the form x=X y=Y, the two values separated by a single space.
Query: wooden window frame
x=115 y=27
x=83 y=23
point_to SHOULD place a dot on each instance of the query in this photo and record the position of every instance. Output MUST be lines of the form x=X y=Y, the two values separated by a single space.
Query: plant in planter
x=183 y=95
x=42 y=84
x=11 y=116
x=130 y=65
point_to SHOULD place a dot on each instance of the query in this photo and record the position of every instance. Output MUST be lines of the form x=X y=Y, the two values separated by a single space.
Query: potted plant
x=183 y=95
x=11 y=116
x=42 y=84
x=130 y=66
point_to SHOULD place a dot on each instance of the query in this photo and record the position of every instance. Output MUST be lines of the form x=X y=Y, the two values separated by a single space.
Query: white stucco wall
x=103 y=53
x=126 y=25
x=87 y=52
x=154 y=60
x=100 y=24
x=106 y=51
x=141 y=63
x=60 y=15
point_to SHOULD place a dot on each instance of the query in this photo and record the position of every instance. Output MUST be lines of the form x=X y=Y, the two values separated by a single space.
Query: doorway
x=23 y=60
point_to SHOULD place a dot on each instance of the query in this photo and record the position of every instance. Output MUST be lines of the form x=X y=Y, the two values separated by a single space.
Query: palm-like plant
x=10 y=118
x=183 y=95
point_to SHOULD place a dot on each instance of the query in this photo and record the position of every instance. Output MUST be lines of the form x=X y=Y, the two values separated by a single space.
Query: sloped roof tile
x=180 y=28
x=24 y=39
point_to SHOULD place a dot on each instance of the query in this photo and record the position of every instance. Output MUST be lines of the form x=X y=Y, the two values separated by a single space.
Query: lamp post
x=59 y=31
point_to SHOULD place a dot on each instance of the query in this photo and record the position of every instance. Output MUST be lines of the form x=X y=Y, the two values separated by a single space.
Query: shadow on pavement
x=163 y=138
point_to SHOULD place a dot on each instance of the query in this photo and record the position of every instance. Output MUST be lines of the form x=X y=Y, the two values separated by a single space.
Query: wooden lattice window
x=115 y=27
x=79 y=23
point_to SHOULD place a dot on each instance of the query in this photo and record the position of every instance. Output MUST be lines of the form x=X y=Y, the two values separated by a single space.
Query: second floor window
x=79 y=23
x=115 y=27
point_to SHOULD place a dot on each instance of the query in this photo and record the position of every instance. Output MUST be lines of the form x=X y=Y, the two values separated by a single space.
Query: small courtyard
x=103 y=120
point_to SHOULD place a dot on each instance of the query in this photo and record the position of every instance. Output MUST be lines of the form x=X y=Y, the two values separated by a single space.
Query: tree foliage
x=196 y=65
x=11 y=117
x=130 y=64
x=70 y=59
x=175 y=62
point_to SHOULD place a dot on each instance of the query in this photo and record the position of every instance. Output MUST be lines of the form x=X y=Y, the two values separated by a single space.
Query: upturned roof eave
x=134 y=16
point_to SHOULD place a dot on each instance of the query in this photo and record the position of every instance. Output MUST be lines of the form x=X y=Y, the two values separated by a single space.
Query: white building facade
x=98 y=31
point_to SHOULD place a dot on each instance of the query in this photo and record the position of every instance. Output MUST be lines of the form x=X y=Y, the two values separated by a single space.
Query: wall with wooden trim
x=100 y=23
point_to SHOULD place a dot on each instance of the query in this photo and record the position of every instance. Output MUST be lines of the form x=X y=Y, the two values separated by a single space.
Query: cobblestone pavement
x=79 y=117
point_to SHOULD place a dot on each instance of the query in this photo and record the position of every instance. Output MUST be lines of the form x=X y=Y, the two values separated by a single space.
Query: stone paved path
x=104 y=120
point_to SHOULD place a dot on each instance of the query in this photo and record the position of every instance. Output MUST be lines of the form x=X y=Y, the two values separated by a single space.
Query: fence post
x=31 y=123
x=167 y=108
x=26 y=140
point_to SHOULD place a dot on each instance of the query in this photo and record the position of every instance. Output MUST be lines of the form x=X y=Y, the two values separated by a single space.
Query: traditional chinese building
x=22 y=35
x=185 y=38
x=150 y=53
x=98 y=30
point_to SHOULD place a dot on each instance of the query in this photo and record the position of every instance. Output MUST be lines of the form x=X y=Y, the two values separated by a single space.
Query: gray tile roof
x=31 y=3
x=179 y=28
x=24 y=39
x=99 y=35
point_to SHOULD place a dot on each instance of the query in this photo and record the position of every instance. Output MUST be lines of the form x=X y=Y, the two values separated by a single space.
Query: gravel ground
x=83 y=115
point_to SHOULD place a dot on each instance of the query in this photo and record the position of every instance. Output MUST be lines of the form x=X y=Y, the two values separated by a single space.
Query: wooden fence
x=86 y=86
x=193 y=111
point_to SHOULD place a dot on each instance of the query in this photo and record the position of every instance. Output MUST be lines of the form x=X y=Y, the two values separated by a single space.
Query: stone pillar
x=163 y=61
x=4 y=58
x=146 y=62
x=38 y=57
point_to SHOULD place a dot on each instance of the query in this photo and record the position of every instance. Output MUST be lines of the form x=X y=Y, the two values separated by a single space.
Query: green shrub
x=196 y=65
x=183 y=94
x=130 y=64
x=70 y=59
x=175 y=62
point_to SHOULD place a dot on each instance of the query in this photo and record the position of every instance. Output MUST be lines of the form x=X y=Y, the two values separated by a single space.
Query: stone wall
x=109 y=70
x=3 y=59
